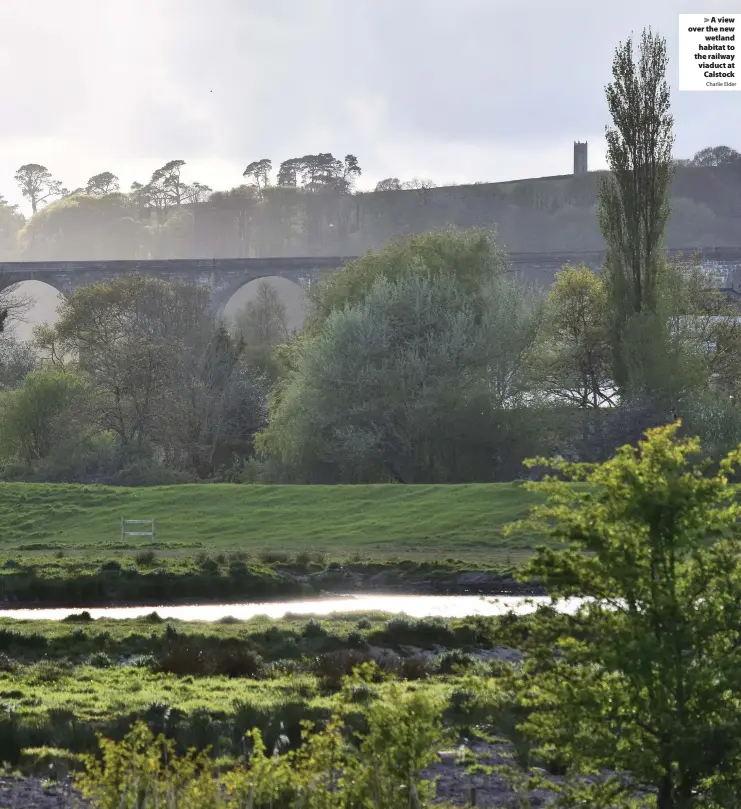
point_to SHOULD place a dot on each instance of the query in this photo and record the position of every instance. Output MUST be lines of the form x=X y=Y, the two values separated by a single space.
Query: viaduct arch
x=223 y=276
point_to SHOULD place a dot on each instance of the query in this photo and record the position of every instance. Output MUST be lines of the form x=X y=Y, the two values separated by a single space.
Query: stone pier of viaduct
x=226 y=276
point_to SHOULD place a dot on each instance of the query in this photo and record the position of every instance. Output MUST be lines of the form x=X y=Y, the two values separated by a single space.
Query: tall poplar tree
x=633 y=203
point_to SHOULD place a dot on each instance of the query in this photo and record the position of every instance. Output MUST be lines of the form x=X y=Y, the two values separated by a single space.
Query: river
x=411 y=605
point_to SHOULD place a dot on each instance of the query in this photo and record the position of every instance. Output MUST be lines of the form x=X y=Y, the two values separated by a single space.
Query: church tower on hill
x=580 y=157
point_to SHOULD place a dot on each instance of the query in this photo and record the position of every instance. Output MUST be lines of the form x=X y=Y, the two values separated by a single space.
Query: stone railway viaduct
x=225 y=276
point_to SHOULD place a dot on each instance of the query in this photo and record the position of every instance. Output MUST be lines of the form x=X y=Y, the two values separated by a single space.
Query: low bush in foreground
x=332 y=769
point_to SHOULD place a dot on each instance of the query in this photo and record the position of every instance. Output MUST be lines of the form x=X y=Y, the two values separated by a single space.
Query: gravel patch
x=456 y=786
x=35 y=793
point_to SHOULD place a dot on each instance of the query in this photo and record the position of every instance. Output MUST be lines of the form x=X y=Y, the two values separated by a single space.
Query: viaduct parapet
x=225 y=276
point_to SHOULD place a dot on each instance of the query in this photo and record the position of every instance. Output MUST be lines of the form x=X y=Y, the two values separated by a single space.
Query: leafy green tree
x=642 y=680
x=471 y=256
x=350 y=172
x=37 y=184
x=240 y=199
x=698 y=365
x=167 y=188
x=101 y=184
x=17 y=359
x=196 y=193
x=167 y=185
x=419 y=382
x=315 y=172
x=573 y=362
x=716 y=156
x=259 y=171
x=262 y=326
x=690 y=346
x=129 y=336
x=29 y=413
x=288 y=172
x=403 y=733
x=389 y=184
x=140 y=195
x=163 y=379
x=418 y=184
x=706 y=325
x=262 y=322
x=218 y=403
x=320 y=171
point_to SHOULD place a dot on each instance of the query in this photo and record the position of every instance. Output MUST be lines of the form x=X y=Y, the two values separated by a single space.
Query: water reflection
x=413 y=606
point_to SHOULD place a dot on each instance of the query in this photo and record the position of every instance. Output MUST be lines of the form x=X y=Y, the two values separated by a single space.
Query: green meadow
x=374 y=521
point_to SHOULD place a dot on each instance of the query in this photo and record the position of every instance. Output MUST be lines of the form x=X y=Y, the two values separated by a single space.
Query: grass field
x=381 y=521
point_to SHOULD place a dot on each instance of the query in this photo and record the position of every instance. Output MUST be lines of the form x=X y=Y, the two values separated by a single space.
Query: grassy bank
x=379 y=522
x=35 y=579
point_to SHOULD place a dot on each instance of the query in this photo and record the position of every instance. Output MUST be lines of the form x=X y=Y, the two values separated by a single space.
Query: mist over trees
x=310 y=205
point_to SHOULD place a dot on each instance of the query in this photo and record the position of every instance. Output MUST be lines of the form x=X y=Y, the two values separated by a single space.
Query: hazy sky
x=452 y=90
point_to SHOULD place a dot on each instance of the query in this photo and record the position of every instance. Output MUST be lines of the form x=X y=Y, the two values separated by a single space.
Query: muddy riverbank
x=64 y=584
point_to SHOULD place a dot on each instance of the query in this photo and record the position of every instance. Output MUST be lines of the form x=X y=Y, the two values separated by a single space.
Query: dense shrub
x=78 y=618
x=111 y=566
x=100 y=660
x=48 y=671
x=454 y=661
x=209 y=565
x=275 y=557
x=10 y=639
x=333 y=667
x=147 y=473
x=145 y=558
x=314 y=629
x=236 y=660
x=356 y=641
x=188 y=656
x=7 y=663
x=415 y=668
x=237 y=568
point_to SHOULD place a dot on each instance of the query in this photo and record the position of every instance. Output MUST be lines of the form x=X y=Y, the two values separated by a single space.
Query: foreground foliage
x=643 y=679
x=381 y=767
